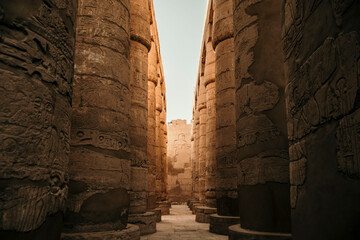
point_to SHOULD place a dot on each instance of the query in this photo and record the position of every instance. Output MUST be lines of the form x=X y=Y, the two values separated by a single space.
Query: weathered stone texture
x=179 y=167
x=36 y=68
x=262 y=147
x=322 y=63
x=100 y=119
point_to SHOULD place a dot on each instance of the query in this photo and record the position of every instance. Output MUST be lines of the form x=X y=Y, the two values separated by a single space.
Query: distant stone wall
x=179 y=166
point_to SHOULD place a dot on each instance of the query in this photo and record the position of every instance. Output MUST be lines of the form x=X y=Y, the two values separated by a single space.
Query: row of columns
x=84 y=113
x=285 y=97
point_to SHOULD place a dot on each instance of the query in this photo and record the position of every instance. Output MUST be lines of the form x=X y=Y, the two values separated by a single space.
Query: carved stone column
x=158 y=138
x=225 y=110
x=196 y=155
x=192 y=162
x=322 y=49
x=151 y=147
x=163 y=204
x=194 y=196
x=140 y=44
x=226 y=164
x=162 y=146
x=209 y=82
x=262 y=146
x=36 y=75
x=202 y=139
x=100 y=151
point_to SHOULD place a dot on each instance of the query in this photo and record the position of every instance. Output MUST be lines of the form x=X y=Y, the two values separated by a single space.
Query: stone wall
x=179 y=167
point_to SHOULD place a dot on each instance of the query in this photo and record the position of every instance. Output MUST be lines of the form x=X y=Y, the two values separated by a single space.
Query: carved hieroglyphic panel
x=83 y=137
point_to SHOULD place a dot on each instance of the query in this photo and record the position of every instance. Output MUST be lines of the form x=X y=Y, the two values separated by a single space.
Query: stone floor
x=181 y=225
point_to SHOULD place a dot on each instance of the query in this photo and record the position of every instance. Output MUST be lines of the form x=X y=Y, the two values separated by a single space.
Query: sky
x=180 y=26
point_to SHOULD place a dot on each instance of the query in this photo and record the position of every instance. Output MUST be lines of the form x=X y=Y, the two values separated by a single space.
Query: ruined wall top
x=178 y=122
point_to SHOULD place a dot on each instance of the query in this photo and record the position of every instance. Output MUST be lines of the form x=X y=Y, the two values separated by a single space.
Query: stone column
x=206 y=152
x=226 y=192
x=209 y=82
x=202 y=139
x=321 y=45
x=100 y=151
x=36 y=55
x=191 y=160
x=196 y=155
x=194 y=198
x=197 y=191
x=262 y=145
x=162 y=147
x=151 y=147
x=140 y=44
x=163 y=204
x=158 y=138
x=226 y=164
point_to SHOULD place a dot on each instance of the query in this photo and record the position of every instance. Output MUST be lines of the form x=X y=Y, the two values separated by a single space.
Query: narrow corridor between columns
x=180 y=224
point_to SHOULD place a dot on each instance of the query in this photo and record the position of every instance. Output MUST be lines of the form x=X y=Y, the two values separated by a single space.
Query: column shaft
x=36 y=75
x=99 y=158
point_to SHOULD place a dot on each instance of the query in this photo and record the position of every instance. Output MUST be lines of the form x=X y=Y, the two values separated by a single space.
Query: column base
x=165 y=207
x=145 y=221
x=238 y=233
x=194 y=206
x=157 y=212
x=203 y=214
x=220 y=224
x=131 y=232
x=191 y=203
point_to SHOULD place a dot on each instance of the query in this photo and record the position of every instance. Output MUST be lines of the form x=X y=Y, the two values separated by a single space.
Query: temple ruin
x=272 y=150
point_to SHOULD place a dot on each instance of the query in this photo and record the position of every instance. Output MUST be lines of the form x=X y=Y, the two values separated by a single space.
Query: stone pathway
x=181 y=225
